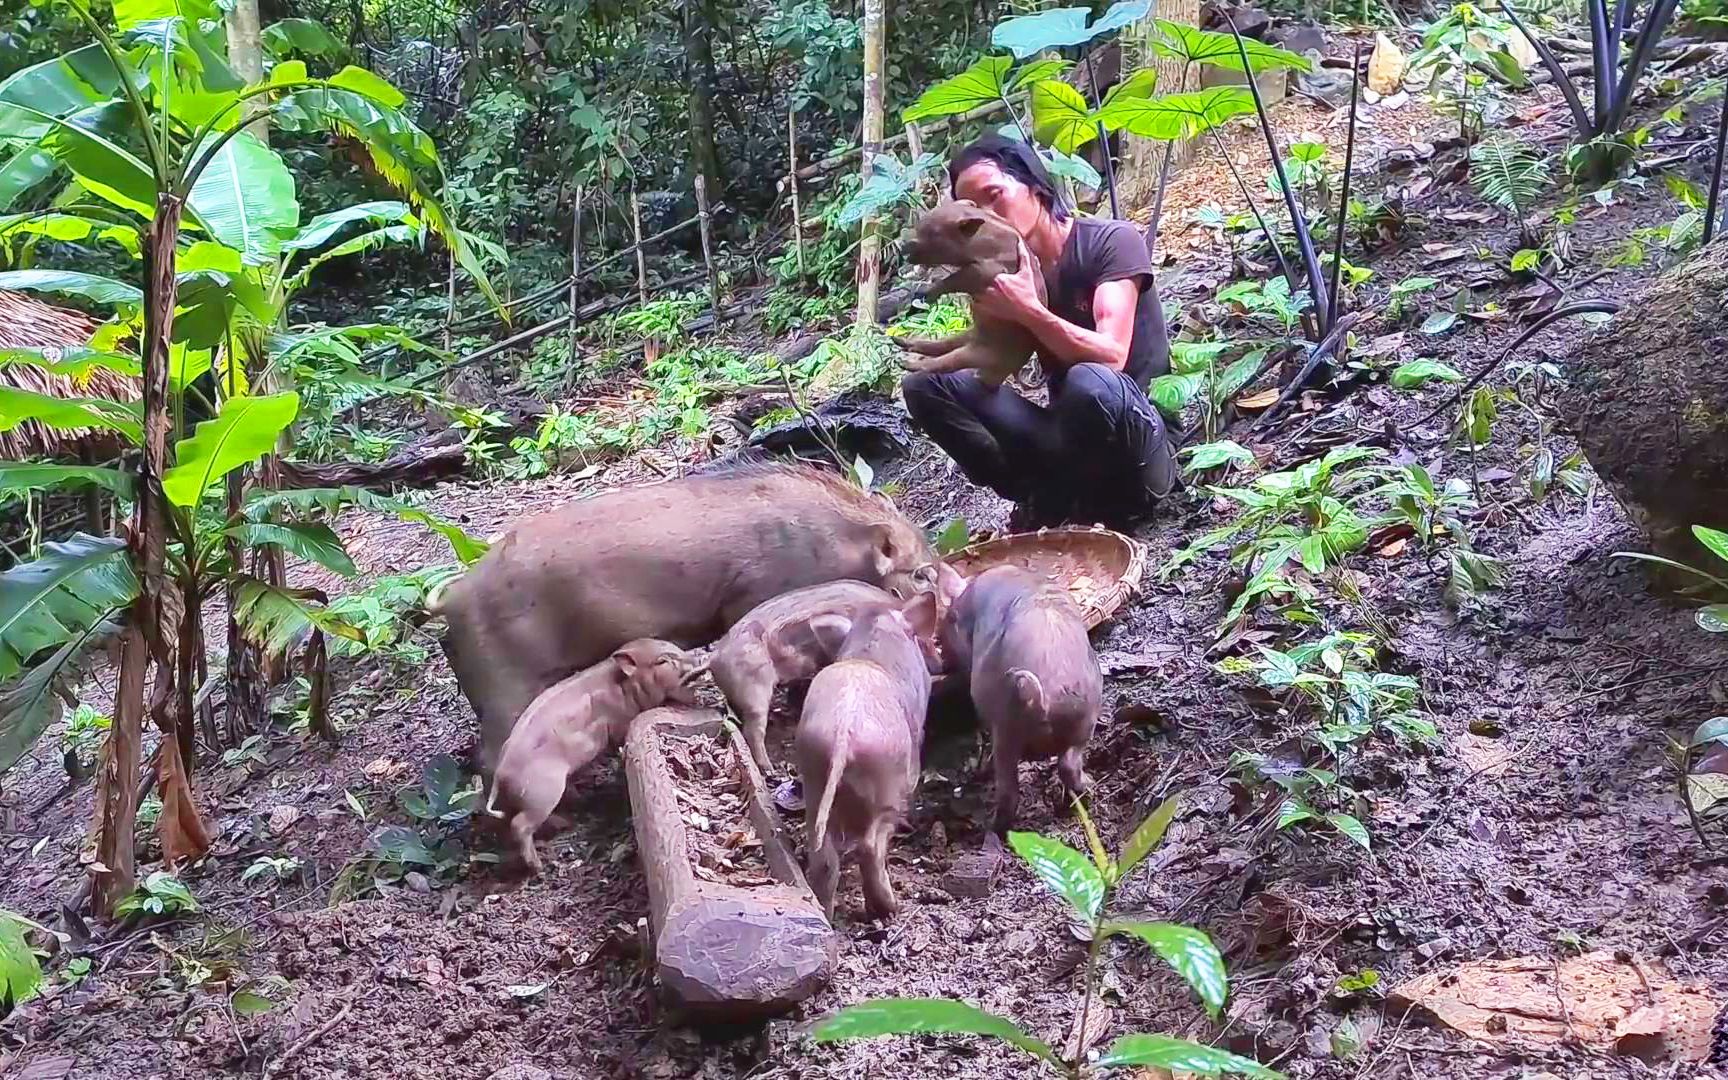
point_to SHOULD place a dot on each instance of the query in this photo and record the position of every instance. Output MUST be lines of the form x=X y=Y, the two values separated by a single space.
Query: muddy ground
x=1542 y=822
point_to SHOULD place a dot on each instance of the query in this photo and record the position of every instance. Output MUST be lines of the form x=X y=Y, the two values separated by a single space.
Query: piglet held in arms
x=979 y=245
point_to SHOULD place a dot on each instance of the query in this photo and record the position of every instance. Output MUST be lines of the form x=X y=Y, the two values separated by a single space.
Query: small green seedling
x=160 y=894
x=277 y=867
x=1086 y=884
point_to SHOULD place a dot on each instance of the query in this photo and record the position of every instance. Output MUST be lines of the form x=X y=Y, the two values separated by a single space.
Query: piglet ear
x=920 y=614
x=627 y=663
x=970 y=225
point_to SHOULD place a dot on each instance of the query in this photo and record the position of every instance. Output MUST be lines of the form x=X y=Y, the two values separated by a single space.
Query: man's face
x=985 y=184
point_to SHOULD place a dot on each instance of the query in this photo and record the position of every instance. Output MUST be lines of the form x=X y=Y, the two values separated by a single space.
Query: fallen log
x=731 y=944
x=420 y=464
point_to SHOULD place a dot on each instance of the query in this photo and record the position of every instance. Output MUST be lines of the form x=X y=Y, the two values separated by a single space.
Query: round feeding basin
x=1100 y=568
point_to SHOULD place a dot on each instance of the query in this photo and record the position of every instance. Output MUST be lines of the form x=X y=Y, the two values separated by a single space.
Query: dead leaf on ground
x=1261 y=400
x=1394 y=549
x=1609 y=1004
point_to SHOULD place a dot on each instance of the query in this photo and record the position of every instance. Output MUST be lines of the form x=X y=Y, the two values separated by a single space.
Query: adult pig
x=680 y=561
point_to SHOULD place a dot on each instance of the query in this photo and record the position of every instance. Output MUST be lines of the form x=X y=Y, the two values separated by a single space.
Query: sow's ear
x=882 y=549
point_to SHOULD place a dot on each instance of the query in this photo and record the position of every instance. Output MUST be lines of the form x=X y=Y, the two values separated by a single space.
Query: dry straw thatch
x=27 y=323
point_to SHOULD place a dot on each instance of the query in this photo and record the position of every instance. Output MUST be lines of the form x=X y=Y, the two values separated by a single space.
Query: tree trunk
x=246 y=57
x=117 y=787
x=699 y=77
x=869 y=250
x=1143 y=158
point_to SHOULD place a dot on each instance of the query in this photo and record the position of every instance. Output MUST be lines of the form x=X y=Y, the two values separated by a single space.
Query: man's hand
x=1012 y=297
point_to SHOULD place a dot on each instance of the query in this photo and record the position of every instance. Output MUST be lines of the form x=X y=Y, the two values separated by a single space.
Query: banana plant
x=146 y=124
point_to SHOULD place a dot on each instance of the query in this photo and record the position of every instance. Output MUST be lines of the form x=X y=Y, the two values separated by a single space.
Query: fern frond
x=1509 y=172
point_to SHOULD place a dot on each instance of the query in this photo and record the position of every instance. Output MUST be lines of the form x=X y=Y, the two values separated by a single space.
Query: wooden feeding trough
x=738 y=936
x=1100 y=568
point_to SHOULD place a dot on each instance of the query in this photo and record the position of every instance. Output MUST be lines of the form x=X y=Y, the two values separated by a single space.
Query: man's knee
x=1088 y=387
x=930 y=394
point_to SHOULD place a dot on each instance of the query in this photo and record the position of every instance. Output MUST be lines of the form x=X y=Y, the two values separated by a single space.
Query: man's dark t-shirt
x=1100 y=250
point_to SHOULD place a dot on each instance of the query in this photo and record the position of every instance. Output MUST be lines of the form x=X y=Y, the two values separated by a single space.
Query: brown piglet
x=979 y=245
x=1035 y=680
x=575 y=721
x=784 y=640
x=859 y=747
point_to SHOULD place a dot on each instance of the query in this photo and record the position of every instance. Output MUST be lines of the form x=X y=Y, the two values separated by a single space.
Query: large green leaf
x=309 y=540
x=276 y=619
x=129 y=13
x=20 y=974
x=68 y=414
x=1141 y=84
x=58 y=87
x=321 y=229
x=1187 y=44
x=60 y=595
x=1060 y=117
x=1176 y=116
x=101 y=165
x=243 y=430
x=979 y=84
x=245 y=197
x=93 y=287
x=1065 y=871
x=307 y=37
x=30 y=705
x=919 y=1016
x=1187 y=950
x=78 y=363
x=1179 y=1055
x=261 y=504
x=21 y=172
x=1037 y=71
x=403 y=155
x=17 y=476
x=354 y=245
x=68 y=227
x=1058 y=27
x=1714 y=539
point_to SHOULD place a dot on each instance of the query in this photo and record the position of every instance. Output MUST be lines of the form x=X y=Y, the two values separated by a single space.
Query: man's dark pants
x=1099 y=451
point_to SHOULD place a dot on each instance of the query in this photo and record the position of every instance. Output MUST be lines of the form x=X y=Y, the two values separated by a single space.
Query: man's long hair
x=1018 y=160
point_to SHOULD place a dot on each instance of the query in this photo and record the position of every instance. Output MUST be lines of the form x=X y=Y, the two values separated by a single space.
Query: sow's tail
x=836 y=765
x=1028 y=692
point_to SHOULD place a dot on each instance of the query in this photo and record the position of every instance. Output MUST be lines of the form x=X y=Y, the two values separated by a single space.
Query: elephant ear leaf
x=61 y=595
x=1060 y=117
x=243 y=430
x=980 y=84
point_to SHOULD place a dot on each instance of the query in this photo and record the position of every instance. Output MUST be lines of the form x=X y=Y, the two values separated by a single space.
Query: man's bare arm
x=1113 y=306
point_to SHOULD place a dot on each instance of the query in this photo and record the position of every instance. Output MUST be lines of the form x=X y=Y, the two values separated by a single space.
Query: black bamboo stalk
x=1304 y=241
x=1604 y=65
x=1655 y=22
x=1344 y=197
x=1710 y=223
x=1103 y=139
x=1556 y=71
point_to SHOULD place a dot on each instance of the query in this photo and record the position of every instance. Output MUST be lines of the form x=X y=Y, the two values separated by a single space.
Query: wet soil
x=1542 y=821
